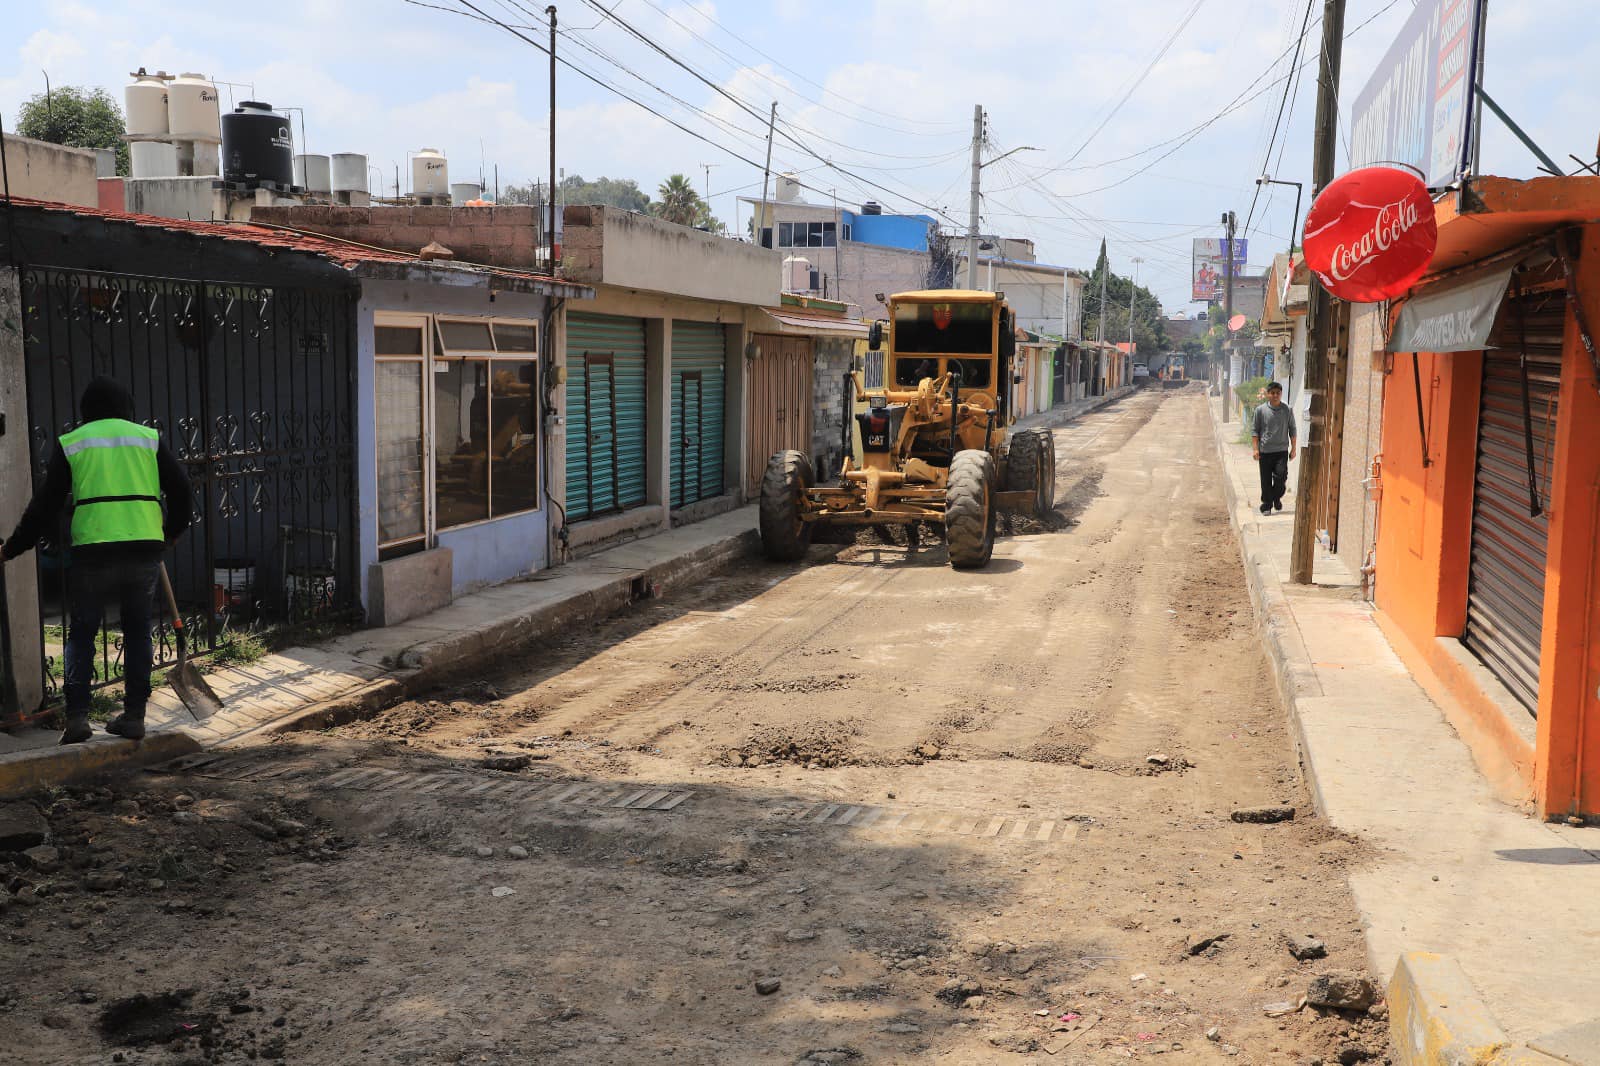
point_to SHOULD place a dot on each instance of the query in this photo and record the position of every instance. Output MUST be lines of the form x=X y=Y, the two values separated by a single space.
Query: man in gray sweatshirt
x=1272 y=439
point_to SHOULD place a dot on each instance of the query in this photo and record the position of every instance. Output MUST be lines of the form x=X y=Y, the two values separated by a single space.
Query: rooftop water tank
x=788 y=188
x=349 y=172
x=463 y=191
x=872 y=207
x=313 y=173
x=430 y=173
x=146 y=101
x=257 y=146
x=192 y=108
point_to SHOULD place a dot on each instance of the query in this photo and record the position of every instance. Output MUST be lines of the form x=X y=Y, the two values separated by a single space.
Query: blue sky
x=883 y=89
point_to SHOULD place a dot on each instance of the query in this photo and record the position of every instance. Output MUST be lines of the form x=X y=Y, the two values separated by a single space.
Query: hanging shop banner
x=1371 y=234
x=1457 y=318
x=1209 y=266
x=1420 y=107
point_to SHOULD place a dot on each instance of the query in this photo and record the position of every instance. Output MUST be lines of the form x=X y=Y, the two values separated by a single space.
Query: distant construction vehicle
x=934 y=437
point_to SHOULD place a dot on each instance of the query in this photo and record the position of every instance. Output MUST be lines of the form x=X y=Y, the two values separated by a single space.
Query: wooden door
x=779 y=411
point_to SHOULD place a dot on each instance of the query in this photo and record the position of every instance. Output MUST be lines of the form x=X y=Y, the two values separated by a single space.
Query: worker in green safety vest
x=116 y=473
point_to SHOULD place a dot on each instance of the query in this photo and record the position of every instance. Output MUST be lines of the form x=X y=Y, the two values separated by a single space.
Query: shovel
x=192 y=689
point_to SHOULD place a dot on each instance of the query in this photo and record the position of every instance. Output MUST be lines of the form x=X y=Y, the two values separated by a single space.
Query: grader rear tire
x=969 y=509
x=784 y=537
x=1031 y=467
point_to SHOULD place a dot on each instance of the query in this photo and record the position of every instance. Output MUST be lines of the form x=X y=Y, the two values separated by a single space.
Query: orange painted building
x=1488 y=542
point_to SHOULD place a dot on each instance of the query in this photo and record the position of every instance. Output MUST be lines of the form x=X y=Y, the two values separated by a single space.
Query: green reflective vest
x=116 y=485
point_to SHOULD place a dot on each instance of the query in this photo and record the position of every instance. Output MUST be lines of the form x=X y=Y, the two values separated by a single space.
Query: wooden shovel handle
x=172 y=601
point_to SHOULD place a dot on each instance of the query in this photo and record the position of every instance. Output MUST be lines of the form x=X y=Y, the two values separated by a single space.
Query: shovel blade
x=194 y=691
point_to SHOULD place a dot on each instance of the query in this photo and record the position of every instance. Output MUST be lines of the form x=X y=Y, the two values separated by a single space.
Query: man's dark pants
x=90 y=586
x=1274 y=478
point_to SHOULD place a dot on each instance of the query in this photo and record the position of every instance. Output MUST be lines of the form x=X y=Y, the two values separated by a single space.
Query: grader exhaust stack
x=933 y=439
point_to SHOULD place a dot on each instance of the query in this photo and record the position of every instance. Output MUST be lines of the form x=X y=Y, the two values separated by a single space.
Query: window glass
x=785 y=235
x=398 y=340
x=516 y=337
x=471 y=336
x=514 y=440
x=974 y=372
x=461 y=440
x=940 y=328
x=766 y=236
x=848 y=231
x=909 y=373
x=399 y=443
x=830 y=235
x=815 y=235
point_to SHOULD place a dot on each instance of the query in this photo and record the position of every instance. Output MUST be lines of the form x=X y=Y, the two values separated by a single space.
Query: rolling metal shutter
x=1505 y=600
x=699 y=358
x=605 y=414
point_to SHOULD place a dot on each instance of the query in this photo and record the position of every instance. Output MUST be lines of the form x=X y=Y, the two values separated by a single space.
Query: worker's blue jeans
x=90 y=586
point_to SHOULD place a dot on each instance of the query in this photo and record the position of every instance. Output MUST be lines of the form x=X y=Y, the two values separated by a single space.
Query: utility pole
x=972 y=214
x=766 y=174
x=551 y=239
x=1105 y=271
x=1302 y=556
x=1230 y=222
x=1133 y=294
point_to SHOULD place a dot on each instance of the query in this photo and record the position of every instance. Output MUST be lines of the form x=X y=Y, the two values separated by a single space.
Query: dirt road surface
x=862 y=810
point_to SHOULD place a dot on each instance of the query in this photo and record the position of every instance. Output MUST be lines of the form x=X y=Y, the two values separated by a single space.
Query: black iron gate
x=253 y=389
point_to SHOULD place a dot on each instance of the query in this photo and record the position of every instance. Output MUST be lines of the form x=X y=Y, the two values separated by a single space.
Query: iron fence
x=253 y=389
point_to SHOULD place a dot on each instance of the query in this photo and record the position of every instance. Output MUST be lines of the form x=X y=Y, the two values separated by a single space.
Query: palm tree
x=679 y=202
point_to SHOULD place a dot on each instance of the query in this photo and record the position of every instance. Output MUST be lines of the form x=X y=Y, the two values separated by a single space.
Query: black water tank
x=257 y=146
x=872 y=207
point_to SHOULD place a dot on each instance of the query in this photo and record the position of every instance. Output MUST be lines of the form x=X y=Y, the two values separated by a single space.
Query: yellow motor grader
x=935 y=440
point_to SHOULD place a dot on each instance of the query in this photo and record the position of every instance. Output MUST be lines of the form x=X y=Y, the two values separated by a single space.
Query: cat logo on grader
x=934 y=445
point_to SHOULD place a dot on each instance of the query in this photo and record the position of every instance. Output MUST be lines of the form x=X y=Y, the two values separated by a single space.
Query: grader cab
x=935 y=440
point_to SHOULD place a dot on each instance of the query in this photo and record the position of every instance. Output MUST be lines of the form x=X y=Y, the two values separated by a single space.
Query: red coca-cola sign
x=1371 y=234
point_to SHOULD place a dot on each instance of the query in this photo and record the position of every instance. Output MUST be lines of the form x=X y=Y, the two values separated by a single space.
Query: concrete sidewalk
x=1453 y=871
x=312 y=687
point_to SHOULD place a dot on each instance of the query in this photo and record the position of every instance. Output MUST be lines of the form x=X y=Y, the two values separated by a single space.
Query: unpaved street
x=956 y=817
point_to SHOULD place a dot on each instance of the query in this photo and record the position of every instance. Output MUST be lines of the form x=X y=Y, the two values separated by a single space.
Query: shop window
x=485 y=421
x=401 y=448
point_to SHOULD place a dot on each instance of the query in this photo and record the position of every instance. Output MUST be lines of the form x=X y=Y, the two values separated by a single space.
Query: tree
x=1149 y=324
x=606 y=192
x=679 y=202
x=76 y=117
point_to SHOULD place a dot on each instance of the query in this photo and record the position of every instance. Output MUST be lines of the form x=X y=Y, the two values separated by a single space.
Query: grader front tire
x=784 y=537
x=969 y=509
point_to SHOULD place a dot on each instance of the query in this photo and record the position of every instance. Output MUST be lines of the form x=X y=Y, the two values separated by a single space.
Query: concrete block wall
x=1363 y=423
x=831 y=357
x=497 y=236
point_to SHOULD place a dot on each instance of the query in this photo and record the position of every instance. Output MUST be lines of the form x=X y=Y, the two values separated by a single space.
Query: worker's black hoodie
x=48 y=510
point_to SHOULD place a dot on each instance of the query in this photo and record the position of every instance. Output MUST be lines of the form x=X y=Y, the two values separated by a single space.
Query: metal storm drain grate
x=1000 y=827
x=464 y=786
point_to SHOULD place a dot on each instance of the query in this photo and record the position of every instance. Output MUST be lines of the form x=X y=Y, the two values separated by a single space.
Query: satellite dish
x=1236 y=323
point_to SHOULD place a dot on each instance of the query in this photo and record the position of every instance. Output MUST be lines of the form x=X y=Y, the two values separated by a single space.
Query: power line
x=1288 y=89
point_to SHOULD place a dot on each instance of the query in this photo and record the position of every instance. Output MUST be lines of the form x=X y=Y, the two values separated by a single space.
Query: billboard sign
x=1420 y=106
x=1209 y=268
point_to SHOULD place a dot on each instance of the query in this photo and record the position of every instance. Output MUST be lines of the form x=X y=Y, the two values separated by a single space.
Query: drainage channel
x=461 y=786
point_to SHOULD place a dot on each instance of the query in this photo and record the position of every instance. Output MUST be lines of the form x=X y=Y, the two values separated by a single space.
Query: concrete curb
x=24 y=771
x=1437 y=1019
x=1292 y=670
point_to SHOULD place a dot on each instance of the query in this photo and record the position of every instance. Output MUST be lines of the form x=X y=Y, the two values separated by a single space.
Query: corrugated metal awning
x=1455 y=318
x=816 y=325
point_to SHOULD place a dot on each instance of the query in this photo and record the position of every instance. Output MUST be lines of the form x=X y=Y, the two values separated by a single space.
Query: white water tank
x=462 y=191
x=788 y=188
x=349 y=172
x=430 y=173
x=146 y=105
x=153 y=159
x=193 y=111
x=796 y=274
x=313 y=173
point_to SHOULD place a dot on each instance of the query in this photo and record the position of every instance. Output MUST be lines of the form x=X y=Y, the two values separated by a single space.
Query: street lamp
x=1298 y=190
x=1133 y=294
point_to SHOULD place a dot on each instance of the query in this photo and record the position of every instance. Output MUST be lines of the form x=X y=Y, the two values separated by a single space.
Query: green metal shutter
x=699 y=359
x=605 y=414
